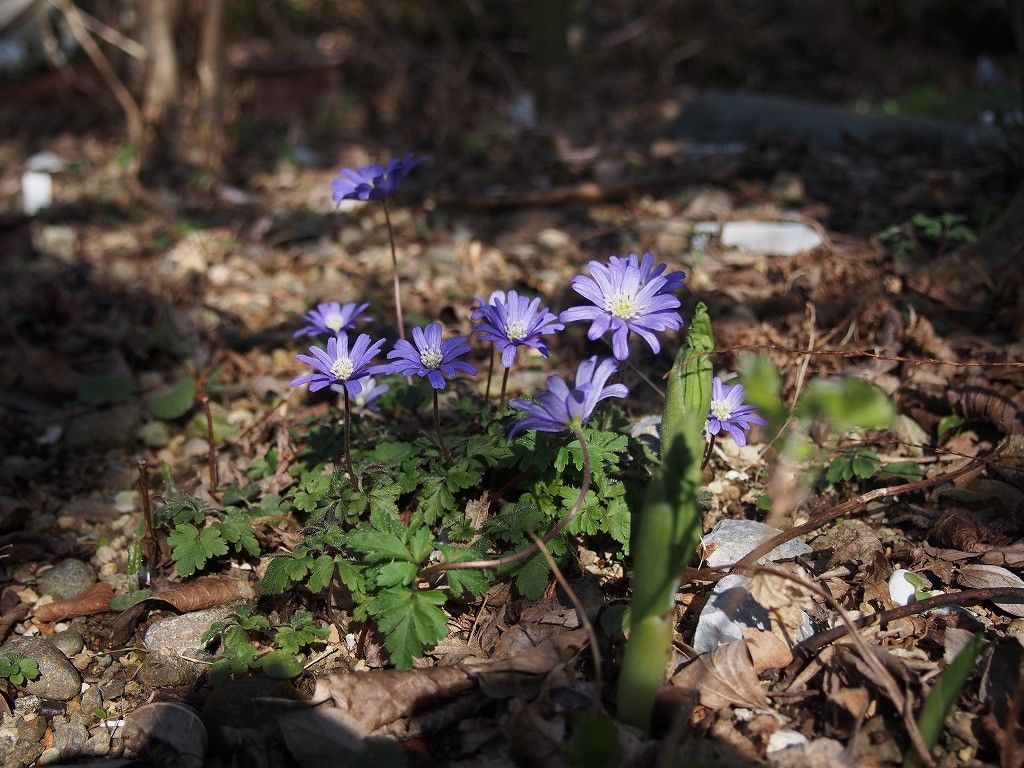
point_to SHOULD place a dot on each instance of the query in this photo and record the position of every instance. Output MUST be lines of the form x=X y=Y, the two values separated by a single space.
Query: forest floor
x=120 y=314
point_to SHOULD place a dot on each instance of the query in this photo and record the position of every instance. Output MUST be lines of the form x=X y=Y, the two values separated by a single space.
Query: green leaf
x=378 y=545
x=532 y=576
x=321 y=573
x=950 y=423
x=236 y=528
x=847 y=403
x=191 y=548
x=410 y=621
x=763 y=388
x=280 y=665
x=840 y=469
x=126 y=600
x=396 y=573
x=472 y=581
x=106 y=390
x=282 y=572
x=901 y=470
x=435 y=501
x=865 y=464
x=174 y=402
x=943 y=696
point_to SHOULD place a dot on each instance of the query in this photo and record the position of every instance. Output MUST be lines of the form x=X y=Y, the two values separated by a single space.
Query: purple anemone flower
x=340 y=365
x=373 y=182
x=332 y=318
x=627 y=296
x=561 y=408
x=369 y=392
x=431 y=358
x=481 y=302
x=729 y=412
x=513 y=321
x=673 y=280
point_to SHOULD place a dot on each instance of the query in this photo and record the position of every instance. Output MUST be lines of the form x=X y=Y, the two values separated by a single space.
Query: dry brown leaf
x=371 y=700
x=96 y=599
x=854 y=700
x=724 y=677
x=1012 y=556
x=204 y=592
x=785 y=600
x=767 y=650
x=979 y=576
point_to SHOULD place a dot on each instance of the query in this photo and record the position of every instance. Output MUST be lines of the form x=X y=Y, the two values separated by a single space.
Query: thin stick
x=846 y=508
x=646 y=379
x=782 y=348
x=532 y=549
x=394 y=266
x=437 y=428
x=964 y=598
x=504 y=386
x=708 y=451
x=148 y=543
x=490 y=375
x=902 y=702
x=133 y=115
x=211 y=446
x=581 y=612
x=348 y=436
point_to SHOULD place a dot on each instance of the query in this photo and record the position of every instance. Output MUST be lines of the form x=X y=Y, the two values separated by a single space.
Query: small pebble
x=69 y=642
x=67 y=522
x=66 y=579
x=108 y=569
x=92 y=700
x=104 y=554
x=27 y=704
x=82 y=660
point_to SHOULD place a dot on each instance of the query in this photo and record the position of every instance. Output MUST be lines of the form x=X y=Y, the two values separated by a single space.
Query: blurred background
x=188 y=94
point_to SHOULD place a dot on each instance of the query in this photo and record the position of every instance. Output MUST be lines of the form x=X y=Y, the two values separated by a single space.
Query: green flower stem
x=437 y=428
x=669 y=525
x=348 y=437
x=394 y=266
x=533 y=548
x=504 y=387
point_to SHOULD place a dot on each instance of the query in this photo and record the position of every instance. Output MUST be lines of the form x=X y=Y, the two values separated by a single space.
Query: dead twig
x=964 y=598
x=580 y=612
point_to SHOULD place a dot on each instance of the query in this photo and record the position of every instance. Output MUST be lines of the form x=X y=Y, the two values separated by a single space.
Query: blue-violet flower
x=369 y=393
x=332 y=318
x=339 y=364
x=481 y=302
x=373 y=182
x=561 y=408
x=513 y=321
x=729 y=412
x=431 y=358
x=627 y=296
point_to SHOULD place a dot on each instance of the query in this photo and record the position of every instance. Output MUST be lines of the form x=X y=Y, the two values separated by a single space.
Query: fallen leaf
x=202 y=593
x=979 y=576
x=96 y=599
x=767 y=650
x=724 y=677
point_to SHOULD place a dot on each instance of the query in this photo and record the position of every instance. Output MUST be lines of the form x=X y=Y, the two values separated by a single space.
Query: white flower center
x=516 y=330
x=342 y=368
x=334 y=321
x=431 y=358
x=721 y=410
x=622 y=305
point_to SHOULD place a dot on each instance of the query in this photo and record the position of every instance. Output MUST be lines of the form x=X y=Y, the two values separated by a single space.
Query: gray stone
x=159 y=671
x=69 y=642
x=70 y=739
x=182 y=634
x=101 y=430
x=27 y=705
x=112 y=689
x=32 y=728
x=99 y=742
x=92 y=700
x=58 y=680
x=49 y=756
x=66 y=579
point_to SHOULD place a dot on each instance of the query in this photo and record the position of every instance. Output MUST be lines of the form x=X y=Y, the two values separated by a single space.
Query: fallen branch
x=967 y=597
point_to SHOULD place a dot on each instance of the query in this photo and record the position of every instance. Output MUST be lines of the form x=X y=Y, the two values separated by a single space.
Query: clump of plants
x=416 y=494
